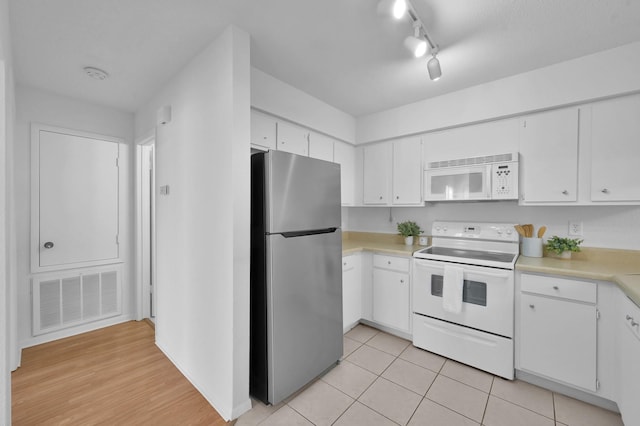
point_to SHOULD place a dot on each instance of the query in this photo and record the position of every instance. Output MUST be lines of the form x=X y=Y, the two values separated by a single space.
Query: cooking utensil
x=520 y=230
x=541 y=231
x=528 y=230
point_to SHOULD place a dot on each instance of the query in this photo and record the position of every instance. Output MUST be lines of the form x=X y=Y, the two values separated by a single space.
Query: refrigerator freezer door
x=302 y=193
x=304 y=319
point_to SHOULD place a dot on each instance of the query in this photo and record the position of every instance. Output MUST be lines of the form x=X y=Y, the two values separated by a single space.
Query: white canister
x=532 y=247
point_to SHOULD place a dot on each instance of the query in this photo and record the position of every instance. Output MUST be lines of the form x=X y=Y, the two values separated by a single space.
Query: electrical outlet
x=575 y=228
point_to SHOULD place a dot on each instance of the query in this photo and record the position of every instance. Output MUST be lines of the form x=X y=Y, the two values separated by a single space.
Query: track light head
x=433 y=66
x=416 y=45
x=399 y=8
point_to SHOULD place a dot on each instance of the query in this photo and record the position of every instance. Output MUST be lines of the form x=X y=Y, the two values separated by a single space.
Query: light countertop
x=621 y=267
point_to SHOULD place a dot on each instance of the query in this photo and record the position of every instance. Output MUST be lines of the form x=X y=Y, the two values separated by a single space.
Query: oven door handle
x=487 y=274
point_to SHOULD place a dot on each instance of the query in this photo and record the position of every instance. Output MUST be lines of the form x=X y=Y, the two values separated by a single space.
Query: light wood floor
x=112 y=376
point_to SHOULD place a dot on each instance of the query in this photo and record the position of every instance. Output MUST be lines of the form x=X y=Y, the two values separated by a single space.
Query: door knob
x=48 y=245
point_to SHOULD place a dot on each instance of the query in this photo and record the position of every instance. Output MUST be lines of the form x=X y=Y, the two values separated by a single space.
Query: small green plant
x=409 y=229
x=558 y=245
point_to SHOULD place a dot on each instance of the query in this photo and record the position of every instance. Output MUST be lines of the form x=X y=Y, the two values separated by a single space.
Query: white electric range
x=480 y=331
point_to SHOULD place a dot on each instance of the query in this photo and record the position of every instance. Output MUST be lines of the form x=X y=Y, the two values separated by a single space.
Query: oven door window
x=473 y=292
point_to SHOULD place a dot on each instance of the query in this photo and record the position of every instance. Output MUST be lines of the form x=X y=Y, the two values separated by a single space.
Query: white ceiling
x=340 y=51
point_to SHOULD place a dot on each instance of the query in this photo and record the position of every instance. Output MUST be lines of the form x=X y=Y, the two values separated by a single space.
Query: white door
x=549 y=154
x=76 y=197
x=293 y=139
x=377 y=173
x=407 y=172
x=615 y=150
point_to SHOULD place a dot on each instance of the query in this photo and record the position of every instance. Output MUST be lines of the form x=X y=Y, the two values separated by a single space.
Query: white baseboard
x=72 y=331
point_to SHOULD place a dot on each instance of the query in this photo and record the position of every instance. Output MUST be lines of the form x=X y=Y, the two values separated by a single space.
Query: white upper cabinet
x=407 y=172
x=320 y=147
x=549 y=157
x=615 y=150
x=377 y=173
x=345 y=155
x=263 y=130
x=393 y=173
x=293 y=139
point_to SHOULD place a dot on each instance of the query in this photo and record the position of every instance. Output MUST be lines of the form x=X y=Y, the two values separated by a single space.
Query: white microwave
x=493 y=177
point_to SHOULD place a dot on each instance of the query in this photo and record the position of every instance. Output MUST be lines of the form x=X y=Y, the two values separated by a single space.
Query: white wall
x=603 y=74
x=8 y=346
x=283 y=100
x=604 y=226
x=202 y=318
x=34 y=105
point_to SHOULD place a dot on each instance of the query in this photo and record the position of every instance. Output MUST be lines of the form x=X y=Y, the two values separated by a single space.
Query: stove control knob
x=437 y=229
x=499 y=231
x=509 y=231
x=444 y=229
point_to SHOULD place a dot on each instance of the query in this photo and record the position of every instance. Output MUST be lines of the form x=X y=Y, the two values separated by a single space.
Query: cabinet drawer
x=582 y=291
x=391 y=262
x=348 y=263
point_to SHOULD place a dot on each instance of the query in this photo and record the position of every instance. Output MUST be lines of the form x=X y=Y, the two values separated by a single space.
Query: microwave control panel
x=504 y=181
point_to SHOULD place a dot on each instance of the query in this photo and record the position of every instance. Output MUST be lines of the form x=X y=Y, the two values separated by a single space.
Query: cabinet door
x=377 y=173
x=351 y=291
x=293 y=139
x=263 y=130
x=320 y=147
x=391 y=298
x=549 y=157
x=629 y=362
x=615 y=150
x=345 y=155
x=407 y=172
x=558 y=340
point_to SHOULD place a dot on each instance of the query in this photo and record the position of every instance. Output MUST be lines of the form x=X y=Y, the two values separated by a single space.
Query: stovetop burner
x=481 y=244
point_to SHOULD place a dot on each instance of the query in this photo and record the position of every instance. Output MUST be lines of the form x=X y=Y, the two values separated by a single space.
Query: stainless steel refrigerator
x=296 y=272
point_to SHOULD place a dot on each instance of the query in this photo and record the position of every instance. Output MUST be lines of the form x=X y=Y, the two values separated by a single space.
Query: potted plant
x=409 y=229
x=563 y=246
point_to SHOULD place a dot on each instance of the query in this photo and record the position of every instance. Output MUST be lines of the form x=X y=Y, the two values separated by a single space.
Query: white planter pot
x=408 y=241
x=565 y=255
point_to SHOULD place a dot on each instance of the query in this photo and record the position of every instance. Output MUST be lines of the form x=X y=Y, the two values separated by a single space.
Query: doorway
x=147 y=229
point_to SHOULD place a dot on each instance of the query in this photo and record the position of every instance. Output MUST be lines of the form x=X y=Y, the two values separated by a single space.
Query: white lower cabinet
x=351 y=290
x=558 y=330
x=391 y=292
x=628 y=360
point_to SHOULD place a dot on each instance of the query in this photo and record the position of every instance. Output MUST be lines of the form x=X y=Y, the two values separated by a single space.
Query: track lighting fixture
x=415 y=43
x=399 y=8
x=419 y=42
x=433 y=66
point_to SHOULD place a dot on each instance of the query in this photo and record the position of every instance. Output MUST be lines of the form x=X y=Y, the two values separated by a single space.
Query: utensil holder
x=532 y=247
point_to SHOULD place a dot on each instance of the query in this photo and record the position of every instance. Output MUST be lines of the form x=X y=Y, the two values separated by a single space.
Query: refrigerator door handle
x=308 y=232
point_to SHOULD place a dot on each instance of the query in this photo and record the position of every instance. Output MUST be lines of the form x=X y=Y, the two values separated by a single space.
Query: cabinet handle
x=345 y=263
x=397 y=197
x=532 y=306
x=48 y=245
x=633 y=322
x=555 y=287
x=381 y=197
x=401 y=281
x=565 y=192
x=605 y=191
x=388 y=262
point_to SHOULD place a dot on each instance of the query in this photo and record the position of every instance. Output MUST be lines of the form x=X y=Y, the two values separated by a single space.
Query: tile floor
x=384 y=380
